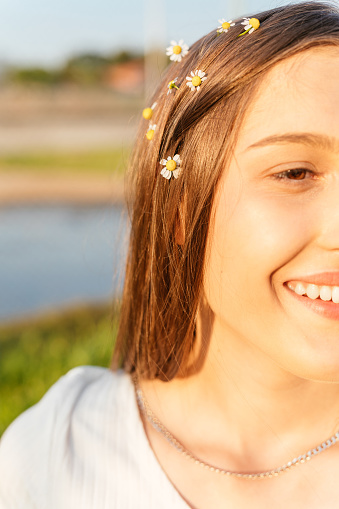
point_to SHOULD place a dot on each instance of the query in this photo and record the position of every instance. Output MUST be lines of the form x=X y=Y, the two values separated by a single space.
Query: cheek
x=253 y=235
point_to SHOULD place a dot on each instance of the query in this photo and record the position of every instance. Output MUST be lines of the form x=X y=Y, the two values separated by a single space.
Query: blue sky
x=34 y=32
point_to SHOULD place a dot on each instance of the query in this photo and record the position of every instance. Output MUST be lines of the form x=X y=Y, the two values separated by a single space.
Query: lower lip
x=328 y=309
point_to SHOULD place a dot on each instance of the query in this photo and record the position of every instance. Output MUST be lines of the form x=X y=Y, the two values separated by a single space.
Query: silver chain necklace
x=160 y=428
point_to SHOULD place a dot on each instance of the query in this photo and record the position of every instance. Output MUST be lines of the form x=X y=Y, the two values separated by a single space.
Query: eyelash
x=284 y=175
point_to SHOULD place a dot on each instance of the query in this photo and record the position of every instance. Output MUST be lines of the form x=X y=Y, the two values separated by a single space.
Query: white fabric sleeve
x=28 y=446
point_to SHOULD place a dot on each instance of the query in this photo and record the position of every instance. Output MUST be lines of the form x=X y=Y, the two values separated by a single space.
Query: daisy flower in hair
x=171 y=85
x=250 y=25
x=177 y=51
x=195 y=80
x=148 y=112
x=150 y=132
x=224 y=25
x=171 y=167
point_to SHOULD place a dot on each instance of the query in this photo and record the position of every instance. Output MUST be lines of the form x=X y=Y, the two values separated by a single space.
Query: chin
x=318 y=370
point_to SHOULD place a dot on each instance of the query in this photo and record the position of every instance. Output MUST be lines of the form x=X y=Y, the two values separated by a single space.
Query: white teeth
x=312 y=291
x=335 y=294
x=326 y=293
x=300 y=289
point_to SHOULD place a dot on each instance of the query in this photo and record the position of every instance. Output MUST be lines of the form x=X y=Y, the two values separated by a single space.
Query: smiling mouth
x=315 y=292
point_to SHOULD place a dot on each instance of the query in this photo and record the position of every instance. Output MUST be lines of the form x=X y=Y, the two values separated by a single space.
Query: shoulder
x=72 y=417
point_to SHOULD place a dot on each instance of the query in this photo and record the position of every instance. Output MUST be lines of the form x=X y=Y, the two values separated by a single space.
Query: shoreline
x=57 y=314
x=22 y=188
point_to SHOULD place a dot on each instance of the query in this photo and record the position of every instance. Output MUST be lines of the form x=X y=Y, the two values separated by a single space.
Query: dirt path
x=19 y=188
x=64 y=119
x=65 y=136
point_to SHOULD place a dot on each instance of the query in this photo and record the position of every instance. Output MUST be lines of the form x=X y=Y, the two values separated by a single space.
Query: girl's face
x=275 y=222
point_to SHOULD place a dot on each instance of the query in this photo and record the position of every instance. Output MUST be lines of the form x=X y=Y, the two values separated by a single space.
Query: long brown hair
x=163 y=283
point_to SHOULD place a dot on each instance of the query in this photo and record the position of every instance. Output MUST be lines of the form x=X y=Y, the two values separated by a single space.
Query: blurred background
x=74 y=78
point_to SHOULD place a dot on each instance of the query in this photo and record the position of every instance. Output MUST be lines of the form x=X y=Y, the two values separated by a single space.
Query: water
x=53 y=256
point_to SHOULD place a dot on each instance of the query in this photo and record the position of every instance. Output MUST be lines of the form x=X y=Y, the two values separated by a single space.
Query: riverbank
x=20 y=187
x=36 y=353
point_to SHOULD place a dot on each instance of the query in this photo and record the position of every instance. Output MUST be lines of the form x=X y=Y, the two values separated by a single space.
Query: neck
x=259 y=405
x=244 y=407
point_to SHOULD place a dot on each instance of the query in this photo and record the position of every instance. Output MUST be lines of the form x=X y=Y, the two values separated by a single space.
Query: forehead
x=300 y=94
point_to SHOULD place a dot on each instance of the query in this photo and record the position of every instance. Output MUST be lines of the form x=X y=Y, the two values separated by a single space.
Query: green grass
x=34 y=355
x=111 y=160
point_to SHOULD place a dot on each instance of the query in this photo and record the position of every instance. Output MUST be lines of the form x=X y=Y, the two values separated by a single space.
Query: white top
x=83 y=446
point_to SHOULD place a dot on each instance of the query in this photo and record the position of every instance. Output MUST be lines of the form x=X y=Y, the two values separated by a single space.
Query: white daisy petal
x=176 y=173
x=153 y=106
x=189 y=78
x=181 y=42
x=176 y=157
x=203 y=79
x=163 y=162
x=198 y=88
x=252 y=30
x=173 y=43
x=165 y=173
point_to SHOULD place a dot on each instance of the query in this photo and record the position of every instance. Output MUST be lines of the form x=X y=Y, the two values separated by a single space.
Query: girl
x=228 y=396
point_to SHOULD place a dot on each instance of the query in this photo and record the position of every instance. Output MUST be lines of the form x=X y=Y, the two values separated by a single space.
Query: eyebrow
x=311 y=139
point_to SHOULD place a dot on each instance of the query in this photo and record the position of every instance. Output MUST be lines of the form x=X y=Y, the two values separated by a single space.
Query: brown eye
x=295 y=174
x=298 y=174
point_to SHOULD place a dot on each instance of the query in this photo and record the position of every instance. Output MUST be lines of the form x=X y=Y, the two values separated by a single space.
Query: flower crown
x=176 y=52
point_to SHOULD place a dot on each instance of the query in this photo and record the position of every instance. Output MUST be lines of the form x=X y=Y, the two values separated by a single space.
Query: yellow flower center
x=196 y=81
x=225 y=25
x=150 y=134
x=255 y=23
x=171 y=84
x=177 y=49
x=171 y=165
x=147 y=113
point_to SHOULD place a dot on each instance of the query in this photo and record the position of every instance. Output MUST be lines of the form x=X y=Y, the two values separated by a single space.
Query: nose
x=328 y=215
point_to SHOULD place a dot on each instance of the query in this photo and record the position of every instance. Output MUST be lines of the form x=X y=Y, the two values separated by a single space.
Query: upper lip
x=319 y=279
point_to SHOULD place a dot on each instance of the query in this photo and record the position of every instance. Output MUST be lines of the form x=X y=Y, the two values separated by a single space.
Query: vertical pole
x=238 y=8
x=155 y=44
